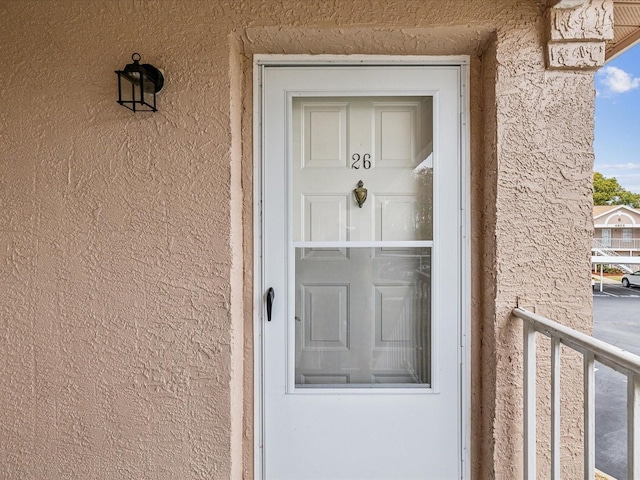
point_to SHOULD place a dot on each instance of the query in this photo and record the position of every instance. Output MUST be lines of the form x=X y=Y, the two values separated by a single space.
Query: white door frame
x=259 y=310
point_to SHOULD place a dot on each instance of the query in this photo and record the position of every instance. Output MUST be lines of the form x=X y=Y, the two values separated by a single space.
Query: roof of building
x=626 y=31
x=599 y=210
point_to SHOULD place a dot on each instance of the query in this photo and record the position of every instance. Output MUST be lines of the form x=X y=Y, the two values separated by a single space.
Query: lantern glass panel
x=137 y=91
x=138 y=85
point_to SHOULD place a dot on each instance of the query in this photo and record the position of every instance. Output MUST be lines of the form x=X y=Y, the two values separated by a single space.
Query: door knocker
x=360 y=193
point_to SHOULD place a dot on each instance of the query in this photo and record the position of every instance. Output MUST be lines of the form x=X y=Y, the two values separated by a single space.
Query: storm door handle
x=271 y=294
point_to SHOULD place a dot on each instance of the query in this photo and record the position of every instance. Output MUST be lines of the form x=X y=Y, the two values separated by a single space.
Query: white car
x=631 y=279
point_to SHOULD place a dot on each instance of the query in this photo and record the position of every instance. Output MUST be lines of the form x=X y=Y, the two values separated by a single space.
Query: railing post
x=601 y=277
x=529 y=401
x=633 y=426
x=589 y=416
x=555 y=408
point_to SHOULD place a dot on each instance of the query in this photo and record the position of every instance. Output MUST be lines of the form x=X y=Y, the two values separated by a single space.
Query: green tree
x=607 y=191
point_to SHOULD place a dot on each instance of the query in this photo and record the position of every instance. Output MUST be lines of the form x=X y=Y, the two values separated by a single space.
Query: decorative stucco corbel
x=565 y=3
x=577 y=31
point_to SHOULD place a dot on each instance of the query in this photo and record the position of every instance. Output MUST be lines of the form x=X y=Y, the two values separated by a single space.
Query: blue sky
x=617 y=134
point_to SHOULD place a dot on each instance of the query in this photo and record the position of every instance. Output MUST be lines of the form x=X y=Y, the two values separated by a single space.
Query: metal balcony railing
x=617 y=243
x=592 y=350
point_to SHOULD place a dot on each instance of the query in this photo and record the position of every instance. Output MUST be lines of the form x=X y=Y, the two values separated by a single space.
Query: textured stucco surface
x=126 y=239
x=577 y=35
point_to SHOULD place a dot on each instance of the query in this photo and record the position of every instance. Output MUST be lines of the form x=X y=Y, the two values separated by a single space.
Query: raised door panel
x=326 y=317
x=325 y=217
x=396 y=218
x=324 y=134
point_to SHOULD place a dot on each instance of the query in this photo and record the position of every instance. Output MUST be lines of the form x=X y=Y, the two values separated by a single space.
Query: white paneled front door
x=361 y=245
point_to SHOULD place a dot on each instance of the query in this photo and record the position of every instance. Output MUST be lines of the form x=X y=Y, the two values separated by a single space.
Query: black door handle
x=271 y=294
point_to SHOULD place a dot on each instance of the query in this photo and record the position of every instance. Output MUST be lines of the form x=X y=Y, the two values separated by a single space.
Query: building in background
x=617 y=229
x=616 y=235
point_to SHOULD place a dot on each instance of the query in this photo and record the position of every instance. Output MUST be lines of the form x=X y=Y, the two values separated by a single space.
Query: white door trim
x=261 y=61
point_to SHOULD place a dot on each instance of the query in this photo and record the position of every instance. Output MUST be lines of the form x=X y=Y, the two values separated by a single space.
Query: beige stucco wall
x=126 y=239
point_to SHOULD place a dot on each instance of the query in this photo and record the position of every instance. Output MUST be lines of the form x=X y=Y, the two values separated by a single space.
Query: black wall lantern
x=138 y=85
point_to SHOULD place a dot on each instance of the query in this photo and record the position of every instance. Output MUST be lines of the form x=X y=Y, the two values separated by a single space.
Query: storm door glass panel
x=362 y=188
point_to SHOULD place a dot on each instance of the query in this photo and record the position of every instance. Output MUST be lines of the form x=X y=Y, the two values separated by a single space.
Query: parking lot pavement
x=615 y=290
x=616 y=320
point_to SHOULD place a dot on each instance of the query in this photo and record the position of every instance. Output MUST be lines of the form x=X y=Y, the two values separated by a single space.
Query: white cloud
x=626 y=174
x=618 y=166
x=632 y=186
x=616 y=80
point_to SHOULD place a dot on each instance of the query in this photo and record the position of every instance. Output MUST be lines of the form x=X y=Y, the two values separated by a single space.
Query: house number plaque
x=357 y=158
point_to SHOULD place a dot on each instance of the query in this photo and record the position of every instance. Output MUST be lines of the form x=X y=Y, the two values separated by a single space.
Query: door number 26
x=364 y=160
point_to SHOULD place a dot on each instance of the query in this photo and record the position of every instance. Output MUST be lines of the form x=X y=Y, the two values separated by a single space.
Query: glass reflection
x=363 y=317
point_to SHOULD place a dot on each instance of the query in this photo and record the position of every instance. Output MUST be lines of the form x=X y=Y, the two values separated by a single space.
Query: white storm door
x=361 y=222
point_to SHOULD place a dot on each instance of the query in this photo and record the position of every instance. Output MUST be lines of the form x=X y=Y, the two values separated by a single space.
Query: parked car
x=631 y=279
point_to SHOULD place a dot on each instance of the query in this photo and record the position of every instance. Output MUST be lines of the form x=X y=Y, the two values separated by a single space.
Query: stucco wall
x=126 y=239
